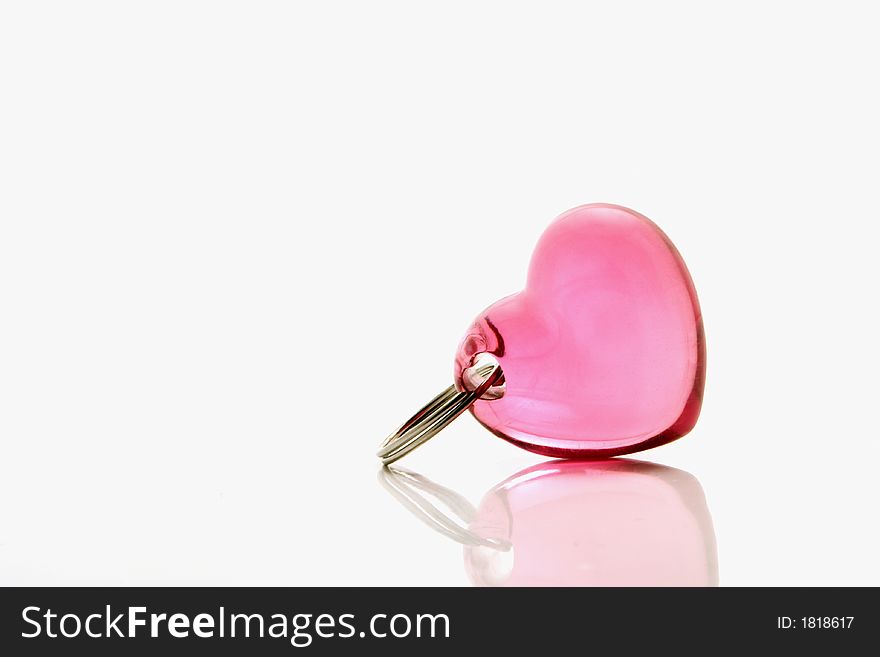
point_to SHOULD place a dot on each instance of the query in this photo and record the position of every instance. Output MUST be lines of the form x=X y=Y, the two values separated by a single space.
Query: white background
x=240 y=242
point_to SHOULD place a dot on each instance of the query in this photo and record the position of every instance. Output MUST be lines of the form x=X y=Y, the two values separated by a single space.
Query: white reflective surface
x=564 y=523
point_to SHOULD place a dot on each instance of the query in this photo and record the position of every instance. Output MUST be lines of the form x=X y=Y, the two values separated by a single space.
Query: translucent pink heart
x=603 y=352
x=608 y=523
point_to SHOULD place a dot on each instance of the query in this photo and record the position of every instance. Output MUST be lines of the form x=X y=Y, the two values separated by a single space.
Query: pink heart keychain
x=602 y=354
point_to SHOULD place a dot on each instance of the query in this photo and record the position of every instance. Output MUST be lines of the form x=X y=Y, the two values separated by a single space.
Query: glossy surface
x=608 y=523
x=603 y=351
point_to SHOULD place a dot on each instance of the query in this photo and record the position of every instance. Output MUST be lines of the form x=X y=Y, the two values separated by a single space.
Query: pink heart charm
x=603 y=352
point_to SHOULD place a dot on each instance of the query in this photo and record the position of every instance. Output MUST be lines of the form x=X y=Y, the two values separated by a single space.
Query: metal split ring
x=434 y=416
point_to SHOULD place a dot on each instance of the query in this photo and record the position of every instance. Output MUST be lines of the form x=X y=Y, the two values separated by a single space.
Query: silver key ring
x=434 y=416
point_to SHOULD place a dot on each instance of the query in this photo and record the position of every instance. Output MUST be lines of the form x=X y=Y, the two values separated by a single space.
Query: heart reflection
x=566 y=523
